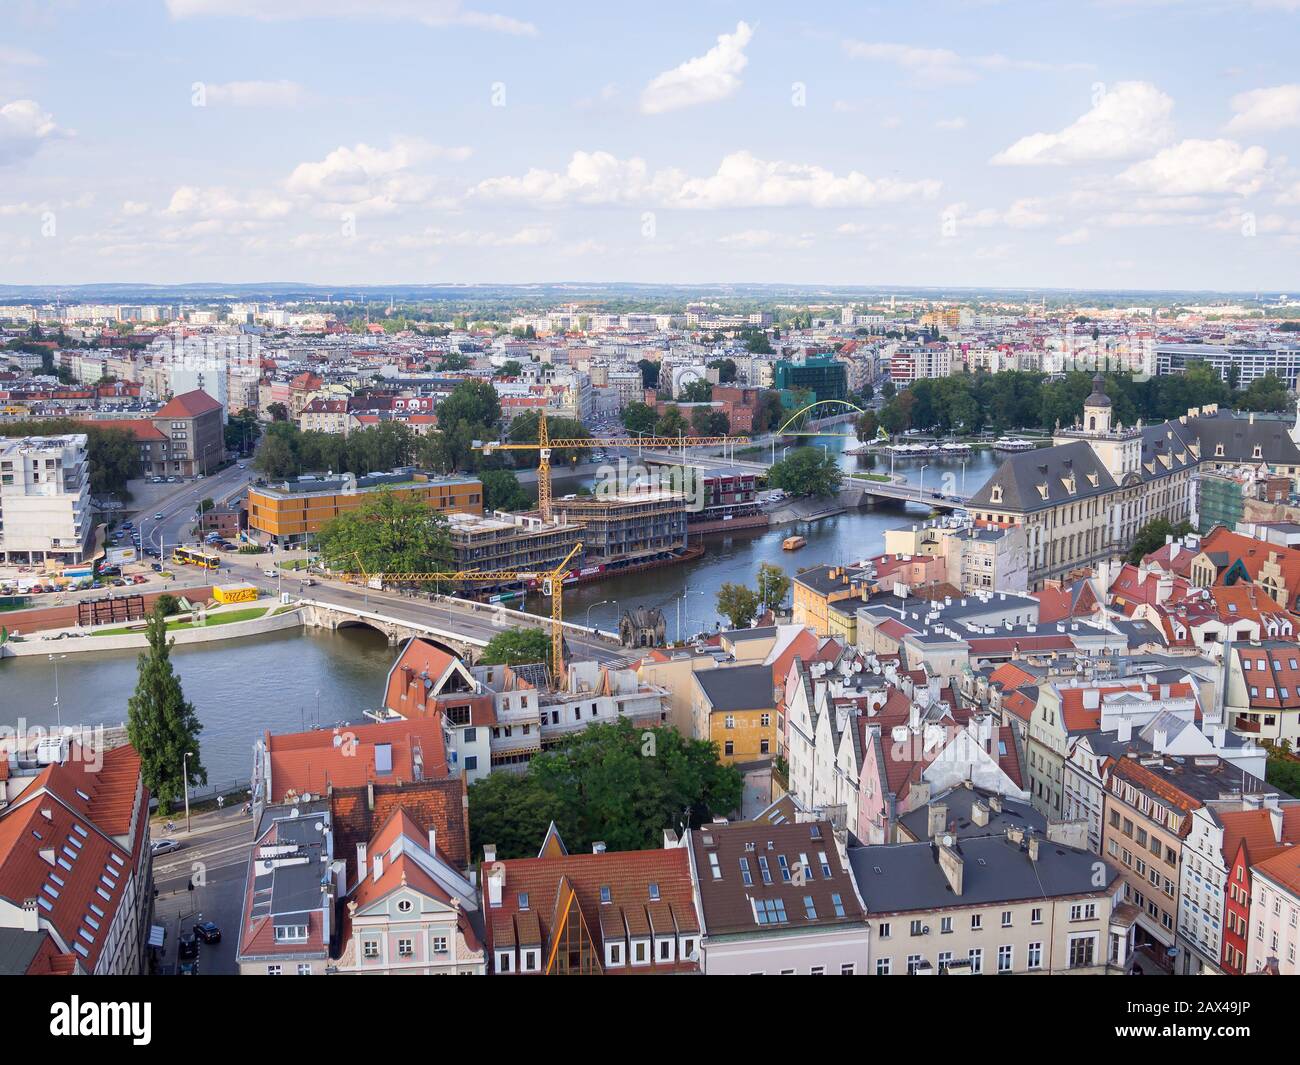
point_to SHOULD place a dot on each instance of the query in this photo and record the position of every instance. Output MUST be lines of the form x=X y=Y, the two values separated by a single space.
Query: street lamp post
x=185 y=779
x=603 y=602
x=920 y=488
x=688 y=591
x=58 y=714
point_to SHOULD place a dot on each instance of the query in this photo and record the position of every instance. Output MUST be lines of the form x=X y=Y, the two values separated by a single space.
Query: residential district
x=1046 y=726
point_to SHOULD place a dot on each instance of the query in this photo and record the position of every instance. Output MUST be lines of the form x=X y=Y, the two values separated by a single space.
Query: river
x=291 y=681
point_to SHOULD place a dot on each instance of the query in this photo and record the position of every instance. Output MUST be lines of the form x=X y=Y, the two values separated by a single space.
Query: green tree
x=671 y=424
x=387 y=533
x=278 y=412
x=525 y=430
x=160 y=724
x=517 y=647
x=1151 y=537
x=696 y=392
x=639 y=417
x=617 y=783
x=276 y=458
x=737 y=604
x=502 y=491
x=807 y=471
x=726 y=370
x=773 y=584
x=649 y=373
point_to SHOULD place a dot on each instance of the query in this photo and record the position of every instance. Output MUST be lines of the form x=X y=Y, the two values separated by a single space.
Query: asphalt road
x=215 y=857
x=178 y=510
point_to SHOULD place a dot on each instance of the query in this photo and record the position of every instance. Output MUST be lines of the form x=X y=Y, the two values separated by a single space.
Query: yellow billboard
x=235 y=593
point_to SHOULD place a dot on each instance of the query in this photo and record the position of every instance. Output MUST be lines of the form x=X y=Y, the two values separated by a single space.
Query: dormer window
x=1257 y=453
x=1218 y=451
x=996 y=495
x=614 y=953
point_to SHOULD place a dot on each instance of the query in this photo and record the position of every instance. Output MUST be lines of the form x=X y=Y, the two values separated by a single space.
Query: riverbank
x=230 y=625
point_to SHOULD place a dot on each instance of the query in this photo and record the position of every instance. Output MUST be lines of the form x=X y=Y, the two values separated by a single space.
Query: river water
x=291 y=681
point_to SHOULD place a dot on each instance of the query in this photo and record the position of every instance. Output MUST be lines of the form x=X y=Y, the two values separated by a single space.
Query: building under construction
x=501 y=541
x=628 y=525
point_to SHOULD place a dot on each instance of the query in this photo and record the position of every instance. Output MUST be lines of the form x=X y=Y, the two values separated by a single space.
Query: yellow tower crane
x=545 y=445
x=552 y=583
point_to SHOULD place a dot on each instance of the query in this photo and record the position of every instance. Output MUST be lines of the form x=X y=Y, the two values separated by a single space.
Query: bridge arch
x=818 y=403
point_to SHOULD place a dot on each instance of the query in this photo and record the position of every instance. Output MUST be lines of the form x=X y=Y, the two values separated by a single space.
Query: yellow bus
x=188 y=556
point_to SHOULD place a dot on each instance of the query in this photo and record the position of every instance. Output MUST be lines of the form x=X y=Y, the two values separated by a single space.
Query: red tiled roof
x=188 y=405
x=139 y=428
x=308 y=762
x=548 y=882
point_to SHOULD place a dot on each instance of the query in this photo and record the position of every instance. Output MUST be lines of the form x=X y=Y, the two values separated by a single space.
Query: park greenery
x=388 y=533
x=1015 y=399
x=112 y=455
x=616 y=783
x=502 y=491
x=161 y=725
x=287 y=451
x=807 y=471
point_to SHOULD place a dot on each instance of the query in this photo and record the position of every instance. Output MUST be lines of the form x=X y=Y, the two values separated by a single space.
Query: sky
x=1089 y=144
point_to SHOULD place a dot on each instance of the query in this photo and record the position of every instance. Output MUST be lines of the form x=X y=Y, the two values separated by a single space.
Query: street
x=215 y=855
x=178 y=510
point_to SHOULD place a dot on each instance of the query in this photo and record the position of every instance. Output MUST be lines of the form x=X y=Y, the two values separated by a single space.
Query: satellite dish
x=947 y=841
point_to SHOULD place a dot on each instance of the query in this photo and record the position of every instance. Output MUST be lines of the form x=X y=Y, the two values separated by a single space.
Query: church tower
x=1096 y=409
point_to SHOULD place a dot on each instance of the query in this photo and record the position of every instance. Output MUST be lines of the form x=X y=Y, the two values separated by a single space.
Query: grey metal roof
x=960 y=801
x=17 y=949
x=738 y=687
x=905 y=877
x=1020 y=476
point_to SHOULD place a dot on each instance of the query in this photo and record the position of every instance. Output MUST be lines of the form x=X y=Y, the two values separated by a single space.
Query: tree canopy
x=517 y=647
x=387 y=533
x=807 y=471
x=161 y=725
x=616 y=783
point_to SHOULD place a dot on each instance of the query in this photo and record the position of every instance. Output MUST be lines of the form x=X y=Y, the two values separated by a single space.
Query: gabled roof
x=188 y=405
x=1035 y=480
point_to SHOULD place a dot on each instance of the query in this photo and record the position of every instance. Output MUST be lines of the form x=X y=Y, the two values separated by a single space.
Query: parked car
x=188 y=967
x=208 y=932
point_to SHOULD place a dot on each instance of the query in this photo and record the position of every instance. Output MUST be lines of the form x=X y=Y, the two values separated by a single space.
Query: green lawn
x=294 y=564
x=227 y=618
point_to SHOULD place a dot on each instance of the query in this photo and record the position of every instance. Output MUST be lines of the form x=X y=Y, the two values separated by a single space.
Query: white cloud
x=942 y=66
x=217 y=203
x=436 y=14
x=1200 y=167
x=24 y=126
x=1266 y=109
x=741 y=180
x=951 y=123
x=134 y=207
x=257 y=94
x=1128 y=120
x=375 y=179
x=713 y=76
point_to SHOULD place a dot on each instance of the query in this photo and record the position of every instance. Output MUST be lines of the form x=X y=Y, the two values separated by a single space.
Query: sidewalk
x=201 y=823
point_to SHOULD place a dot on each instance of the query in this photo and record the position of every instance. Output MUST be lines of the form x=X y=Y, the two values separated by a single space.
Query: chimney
x=31 y=916
x=1125 y=730
x=979 y=814
x=489 y=853
x=433 y=841
x=363 y=861
x=496 y=885
x=598 y=847
x=1033 y=848
x=377 y=869
x=995 y=803
x=1275 y=817
x=937 y=819
x=951 y=864
x=370 y=795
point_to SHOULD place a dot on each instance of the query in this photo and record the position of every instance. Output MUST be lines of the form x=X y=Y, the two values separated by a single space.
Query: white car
x=268 y=572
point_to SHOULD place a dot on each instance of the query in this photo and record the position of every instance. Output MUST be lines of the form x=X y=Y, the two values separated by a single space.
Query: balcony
x=1245 y=724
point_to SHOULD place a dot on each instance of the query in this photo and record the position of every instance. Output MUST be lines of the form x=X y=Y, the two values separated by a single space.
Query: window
x=273 y=970
x=883 y=966
x=1036 y=915
x=913 y=963
x=605 y=895
x=654 y=892
x=370 y=949
x=838 y=903
x=916 y=928
x=405 y=948
x=729 y=721
x=762 y=868
x=847 y=969
x=1006 y=918
x=304 y=968
x=976 y=921
x=770 y=911
x=977 y=960
x=530 y=961
x=1081 y=951
x=290 y=933
x=616 y=954
x=523 y=900
x=1036 y=955
x=404 y=906
x=809 y=908
x=825 y=864
x=1004 y=958
x=884 y=930
x=944 y=960
x=745 y=874
x=440 y=944
x=945 y=925
x=471 y=762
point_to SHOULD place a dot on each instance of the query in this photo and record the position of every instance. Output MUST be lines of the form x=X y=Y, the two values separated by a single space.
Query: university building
x=1083 y=500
